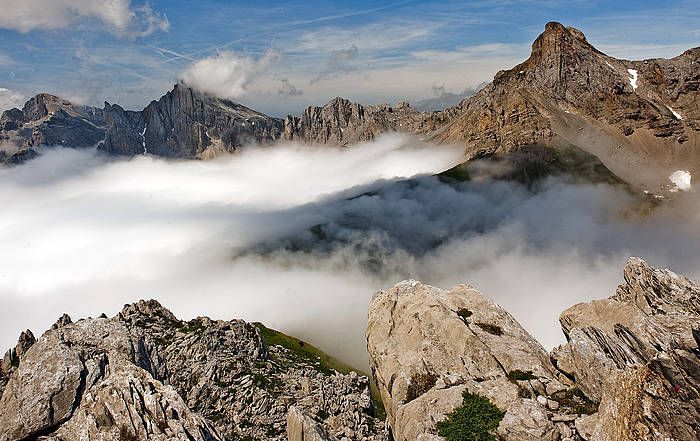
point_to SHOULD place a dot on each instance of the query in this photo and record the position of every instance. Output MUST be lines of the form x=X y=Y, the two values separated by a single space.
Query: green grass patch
x=310 y=354
x=475 y=420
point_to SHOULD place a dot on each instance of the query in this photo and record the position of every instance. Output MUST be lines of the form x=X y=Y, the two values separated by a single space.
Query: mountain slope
x=640 y=118
x=567 y=92
x=47 y=120
x=184 y=123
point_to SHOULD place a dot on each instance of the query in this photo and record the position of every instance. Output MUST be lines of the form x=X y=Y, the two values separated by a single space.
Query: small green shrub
x=577 y=401
x=475 y=420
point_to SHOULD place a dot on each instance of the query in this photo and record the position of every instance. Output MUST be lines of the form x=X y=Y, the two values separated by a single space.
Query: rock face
x=341 y=122
x=47 y=120
x=144 y=374
x=640 y=118
x=184 y=123
x=567 y=92
x=637 y=353
x=630 y=369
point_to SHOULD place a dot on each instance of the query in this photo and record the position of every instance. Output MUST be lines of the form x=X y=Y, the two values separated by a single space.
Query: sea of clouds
x=300 y=237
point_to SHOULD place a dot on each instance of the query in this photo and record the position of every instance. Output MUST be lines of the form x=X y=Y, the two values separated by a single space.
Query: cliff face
x=630 y=369
x=146 y=375
x=341 y=122
x=184 y=123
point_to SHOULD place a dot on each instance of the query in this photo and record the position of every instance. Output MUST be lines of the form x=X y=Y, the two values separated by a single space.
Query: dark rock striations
x=144 y=374
x=185 y=123
x=630 y=369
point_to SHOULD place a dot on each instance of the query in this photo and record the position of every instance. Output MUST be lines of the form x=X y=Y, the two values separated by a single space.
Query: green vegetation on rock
x=315 y=357
x=475 y=420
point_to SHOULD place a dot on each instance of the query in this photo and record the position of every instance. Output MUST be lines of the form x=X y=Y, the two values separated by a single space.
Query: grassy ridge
x=314 y=356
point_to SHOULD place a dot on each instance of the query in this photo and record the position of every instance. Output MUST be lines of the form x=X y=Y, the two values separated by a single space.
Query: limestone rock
x=427 y=346
x=637 y=353
x=301 y=427
x=144 y=374
x=629 y=371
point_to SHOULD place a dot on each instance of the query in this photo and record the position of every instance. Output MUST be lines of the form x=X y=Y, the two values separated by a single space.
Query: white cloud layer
x=10 y=98
x=226 y=75
x=299 y=238
x=120 y=16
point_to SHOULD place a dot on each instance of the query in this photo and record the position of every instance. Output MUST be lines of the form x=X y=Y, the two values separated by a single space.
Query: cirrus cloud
x=120 y=16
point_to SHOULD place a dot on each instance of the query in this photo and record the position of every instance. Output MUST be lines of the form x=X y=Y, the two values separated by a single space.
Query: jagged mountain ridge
x=48 y=120
x=640 y=118
x=186 y=124
x=569 y=93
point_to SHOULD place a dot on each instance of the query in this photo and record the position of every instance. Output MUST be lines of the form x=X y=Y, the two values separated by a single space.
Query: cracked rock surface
x=144 y=374
x=629 y=371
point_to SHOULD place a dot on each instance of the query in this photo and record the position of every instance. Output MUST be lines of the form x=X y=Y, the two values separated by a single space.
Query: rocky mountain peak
x=558 y=43
x=185 y=123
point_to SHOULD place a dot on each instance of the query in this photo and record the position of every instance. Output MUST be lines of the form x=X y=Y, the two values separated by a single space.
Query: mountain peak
x=558 y=40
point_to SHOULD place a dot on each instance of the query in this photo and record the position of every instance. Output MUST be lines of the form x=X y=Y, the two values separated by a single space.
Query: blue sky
x=290 y=54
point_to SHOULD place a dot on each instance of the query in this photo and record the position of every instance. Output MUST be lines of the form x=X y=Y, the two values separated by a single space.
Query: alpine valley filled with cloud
x=336 y=221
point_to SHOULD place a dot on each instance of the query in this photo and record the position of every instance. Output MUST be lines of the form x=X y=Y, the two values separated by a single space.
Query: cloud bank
x=10 y=98
x=120 y=16
x=226 y=74
x=299 y=238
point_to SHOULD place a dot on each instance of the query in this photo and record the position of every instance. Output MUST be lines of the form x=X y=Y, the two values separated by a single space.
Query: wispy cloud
x=288 y=89
x=10 y=98
x=371 y=37
x=119 y=16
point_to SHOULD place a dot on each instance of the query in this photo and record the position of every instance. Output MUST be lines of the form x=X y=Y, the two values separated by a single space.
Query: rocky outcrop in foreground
x=630 y=369
x=146 y=375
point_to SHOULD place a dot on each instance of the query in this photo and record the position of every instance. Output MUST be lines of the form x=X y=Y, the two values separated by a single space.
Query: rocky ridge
x=629 y=371
x=144 y=374
x=185 y=123
x=47 y=120
x=640 y=118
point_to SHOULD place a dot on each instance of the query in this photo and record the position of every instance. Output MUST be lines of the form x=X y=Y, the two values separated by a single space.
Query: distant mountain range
x=639 y=118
